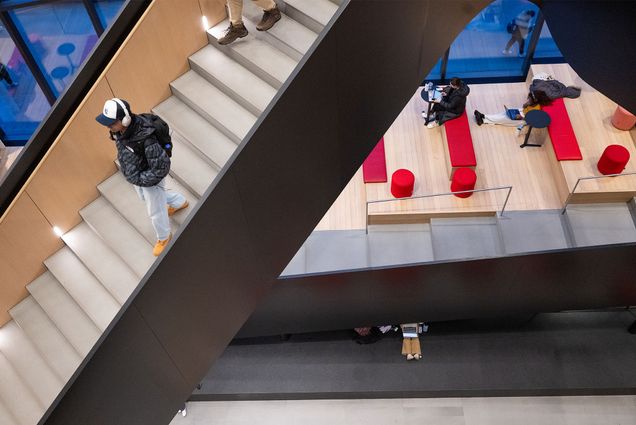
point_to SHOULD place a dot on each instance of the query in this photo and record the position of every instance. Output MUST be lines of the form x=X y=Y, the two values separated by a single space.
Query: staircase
x=213 y=107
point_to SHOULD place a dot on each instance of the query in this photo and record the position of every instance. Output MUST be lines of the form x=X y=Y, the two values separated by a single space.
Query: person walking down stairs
x=143 y=150
x=237 y=29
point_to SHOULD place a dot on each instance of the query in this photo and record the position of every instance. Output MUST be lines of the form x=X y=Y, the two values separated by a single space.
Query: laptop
x=512 y=113
x=409 y=330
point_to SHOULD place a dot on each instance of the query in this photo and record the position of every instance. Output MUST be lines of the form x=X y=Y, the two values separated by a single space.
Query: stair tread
x=215 y=104
x=69 y=317
x=119 y=234
x=52 y=345
x=17 y=397
x=105 y=264
x=287 y=30
x=6 y=418
x=29 y=364
x=319 y=10
x=234 y=76
x=190 y=167
x=123 y=197
x=463 y=238
x=601 y=224
x=83 y=286
x=196 y=130
x=258 y=54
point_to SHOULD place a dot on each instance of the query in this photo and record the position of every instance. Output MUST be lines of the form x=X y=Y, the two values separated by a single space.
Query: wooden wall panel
x=157 y=54
x=67 y=179
x=26 y=238
x=214 y=10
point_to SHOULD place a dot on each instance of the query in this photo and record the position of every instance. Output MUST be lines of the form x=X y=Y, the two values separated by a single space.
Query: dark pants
x=442 y=115
x=4 y=75
x=516 y=38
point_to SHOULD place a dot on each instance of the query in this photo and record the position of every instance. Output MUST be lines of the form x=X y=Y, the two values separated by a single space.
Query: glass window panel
x=60 y=36
x=22 y=103
x=478 y=51
x=546 y=47
x=107 y=10
x=436 y=72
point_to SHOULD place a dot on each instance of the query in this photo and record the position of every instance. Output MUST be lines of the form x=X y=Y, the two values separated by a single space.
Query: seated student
x=536 y=99
x=452 y=103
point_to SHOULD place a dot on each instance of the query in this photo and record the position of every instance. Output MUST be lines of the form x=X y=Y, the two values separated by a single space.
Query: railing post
x=567 y=201
x=506 y=201
x=366 y=218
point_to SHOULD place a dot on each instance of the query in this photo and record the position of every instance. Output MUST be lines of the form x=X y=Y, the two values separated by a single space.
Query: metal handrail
x=571 y=194
x=435 y=195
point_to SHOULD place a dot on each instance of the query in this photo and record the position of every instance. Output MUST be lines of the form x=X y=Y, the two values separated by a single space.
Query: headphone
x=127 y=118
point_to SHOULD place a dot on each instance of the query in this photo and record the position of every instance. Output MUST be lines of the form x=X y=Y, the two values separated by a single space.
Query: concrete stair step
x=600 y=224
x=314 y=14
x=6 y=418
x=398 y=244
x=260 y=57
x=336 y=250
x=111 y=270
x=288 y=36
x=531 y=231
x=233 y=79
x=29 y=364
x=213 y=105
x=83 y=286
x=190 y=168
x=196 y=131
x=121 y=195
x=17 y=397
x=68 y=317
x=465 y=238
x=119 y=235
x=47 y=338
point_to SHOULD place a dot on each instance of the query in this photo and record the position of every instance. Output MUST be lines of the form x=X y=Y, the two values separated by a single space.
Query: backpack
x=512 y=26
x=162 y=131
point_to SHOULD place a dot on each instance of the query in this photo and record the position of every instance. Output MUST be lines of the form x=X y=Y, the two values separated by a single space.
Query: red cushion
x=402 y=182
x=613 y=160
x=374 y=167
x=460 y=144
x=463 y=179
x=561 y=132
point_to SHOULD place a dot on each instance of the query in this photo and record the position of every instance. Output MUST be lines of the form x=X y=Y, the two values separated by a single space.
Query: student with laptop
x=513 y=117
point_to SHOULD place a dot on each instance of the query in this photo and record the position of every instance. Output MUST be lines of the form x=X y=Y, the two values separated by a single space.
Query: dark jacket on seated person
x=453 y=104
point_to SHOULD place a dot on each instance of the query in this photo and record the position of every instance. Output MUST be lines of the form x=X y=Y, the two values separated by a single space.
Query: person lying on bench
x=452 y=103
x=513 y=117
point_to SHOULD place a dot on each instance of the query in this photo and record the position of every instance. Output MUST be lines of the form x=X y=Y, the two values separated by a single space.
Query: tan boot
x=270 y=17
x=173 y=210
x=160 y=246
x=233 y=32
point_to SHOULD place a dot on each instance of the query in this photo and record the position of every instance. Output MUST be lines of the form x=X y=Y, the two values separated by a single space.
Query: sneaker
x=432 y=124
x=172 y=210
x=409 y=357
x=270 y=17
x=479 y=117
x=417 y=356
x=506 y=52
x=232 y=33
x=160 y=245
x=425 y=116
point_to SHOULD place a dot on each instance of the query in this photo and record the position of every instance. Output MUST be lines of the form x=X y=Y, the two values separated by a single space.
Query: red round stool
x=623 y=119
x=402 y=182
x=463 y=179
x=613 y=160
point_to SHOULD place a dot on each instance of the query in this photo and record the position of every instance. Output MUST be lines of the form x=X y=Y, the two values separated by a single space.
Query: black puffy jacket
x=455 y=100
x=142 y=159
